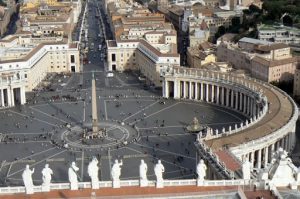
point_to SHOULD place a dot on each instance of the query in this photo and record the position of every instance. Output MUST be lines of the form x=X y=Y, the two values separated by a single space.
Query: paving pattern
x=141 y=125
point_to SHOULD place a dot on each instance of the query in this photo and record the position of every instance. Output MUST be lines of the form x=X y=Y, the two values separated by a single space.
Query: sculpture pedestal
x=160 y=184
x=74 y=186
x=143 y=183
x=45 y=187
x=95 y=185
x=200 y=182
x=116 y=184
x=29 y=190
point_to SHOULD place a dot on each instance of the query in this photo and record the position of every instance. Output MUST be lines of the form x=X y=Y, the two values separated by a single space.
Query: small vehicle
x=109 y=74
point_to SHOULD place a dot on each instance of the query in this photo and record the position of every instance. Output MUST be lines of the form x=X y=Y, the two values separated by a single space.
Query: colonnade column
x=266 y=156
x=251 y=107
x=166 y=89
x=206 y=93
x=286 y=142
x=212 y=93
x=22 y=94
x=184 y=89
x=241 y=100
x=218 y=94
x=201 y=91
x=2 y=98
x=190 y=90
x=175 y=91
x=259 y=159
x=222 y=96
x=252 y=158
x=236 y=100
x=227 y=97
x=8 y=97
x=272 y=150
x=196 y=91
x=248 y=105
x=232 y=99
x=245 y=104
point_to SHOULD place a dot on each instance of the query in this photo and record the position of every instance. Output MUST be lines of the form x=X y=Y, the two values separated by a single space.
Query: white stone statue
x=246 y=168
x=73 y=178
x=27 y=179
x=93 y=173
x=201 y=170
x=116 y=170
x=143 y=174
x=159 y=169
x=47 y=176
x=116 y=173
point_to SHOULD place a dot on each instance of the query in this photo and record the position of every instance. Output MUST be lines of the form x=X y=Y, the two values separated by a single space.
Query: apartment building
x=24 y=63
x=200 y=55
x=267 y=61
x=279 y=34
x=143 y=42
x=50 y=18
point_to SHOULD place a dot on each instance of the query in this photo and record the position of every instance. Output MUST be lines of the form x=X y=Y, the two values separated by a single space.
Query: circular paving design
x=117 y=136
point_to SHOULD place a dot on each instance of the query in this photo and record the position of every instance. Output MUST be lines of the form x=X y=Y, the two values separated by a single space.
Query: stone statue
x=159 y=169
x=116 y=173
x=143 y=170
x=116 y=170
x=73 y=179
x=93 y=173
x=143 y=174
x=246 y=168
x=47 y=176
x=27 y=179
x=201 y=170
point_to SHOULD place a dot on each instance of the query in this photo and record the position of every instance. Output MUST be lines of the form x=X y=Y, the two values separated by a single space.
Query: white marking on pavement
x=141 y=110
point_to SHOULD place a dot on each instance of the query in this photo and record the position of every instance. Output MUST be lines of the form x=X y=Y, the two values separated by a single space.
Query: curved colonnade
x=271 y=113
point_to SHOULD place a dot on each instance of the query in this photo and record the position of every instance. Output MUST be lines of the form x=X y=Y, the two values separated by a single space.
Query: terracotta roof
x=273 y=46
x=273 y=63
x=230 y=161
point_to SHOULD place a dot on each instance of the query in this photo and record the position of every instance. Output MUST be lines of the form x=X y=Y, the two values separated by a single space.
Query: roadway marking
x=141 y=110
x=32 y=155
x=33 y=118
x=156 y=112
x=38 y=162
x=158 y=127
x=172 y=135
x=160 y=159
x=216 y=108
x=176 y=154
x=48 y=115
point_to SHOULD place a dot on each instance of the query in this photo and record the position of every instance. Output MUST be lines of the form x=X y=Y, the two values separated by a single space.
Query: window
x=72 y=59
x=113 y=57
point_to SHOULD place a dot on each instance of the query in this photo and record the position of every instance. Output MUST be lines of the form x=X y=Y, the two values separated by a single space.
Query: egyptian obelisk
x=94 y=107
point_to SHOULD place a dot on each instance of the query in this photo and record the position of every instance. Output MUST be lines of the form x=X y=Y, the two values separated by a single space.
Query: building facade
x=269 y=62
x=25 y=63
